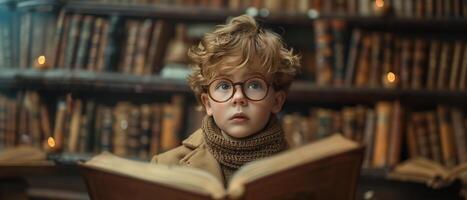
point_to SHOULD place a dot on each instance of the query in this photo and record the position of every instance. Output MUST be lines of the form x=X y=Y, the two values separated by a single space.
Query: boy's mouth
x=239 y=117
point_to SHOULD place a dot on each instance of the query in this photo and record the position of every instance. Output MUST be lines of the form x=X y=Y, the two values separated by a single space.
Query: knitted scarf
x=232 y=153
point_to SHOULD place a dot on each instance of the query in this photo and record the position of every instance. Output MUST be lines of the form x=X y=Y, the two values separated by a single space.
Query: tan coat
x=193 y=153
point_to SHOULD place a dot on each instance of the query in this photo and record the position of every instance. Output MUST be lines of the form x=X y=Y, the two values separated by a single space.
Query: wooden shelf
x=64 y=80
x=300 y=92
x=305 y=92
x=39 y=5
x=184 y=13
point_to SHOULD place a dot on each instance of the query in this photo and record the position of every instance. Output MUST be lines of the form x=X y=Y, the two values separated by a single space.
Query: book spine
x=362 y=75
x=72 y=40
x=120 y=127
x=113 y=37
x=353 y=56
x=157 y=48
x=412 y=145
x=134 y=133
x=460 y=136
x=419 y=66
x=463 y=74
x=324 y=52
x=369 y=137
x=433 y=64
x=446 y=136
x=63 y=42
x=25 y=40
x=395 y=136
x=107 y=132
x=455 y=66
x=145 y=126
x=434 y=137
x=406 y=62
x=156 y=127
x=128 y=52
x=84 y=43
x=383 y=116
x=443 y=65
x=338 y=28
x=422 y=135
x=375 y=60
x=142 y=44
x=96 y=37
x=75 y=125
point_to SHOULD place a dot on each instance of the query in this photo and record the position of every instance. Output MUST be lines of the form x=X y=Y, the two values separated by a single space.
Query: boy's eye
x=255 y=85
x=223 y=85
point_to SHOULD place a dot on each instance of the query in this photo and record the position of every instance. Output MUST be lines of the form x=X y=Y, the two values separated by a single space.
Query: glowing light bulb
x=391 y=77
x=41 y=60
x=379 y=3
x=51 y=142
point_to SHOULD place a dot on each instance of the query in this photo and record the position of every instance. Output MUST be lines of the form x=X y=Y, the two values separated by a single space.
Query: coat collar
x=195 y=140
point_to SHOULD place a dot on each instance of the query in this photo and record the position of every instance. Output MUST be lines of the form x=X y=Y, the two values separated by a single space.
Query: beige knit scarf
x=232 y=154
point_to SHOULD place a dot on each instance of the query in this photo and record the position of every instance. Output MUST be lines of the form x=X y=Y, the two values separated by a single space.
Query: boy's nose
x=239 y=97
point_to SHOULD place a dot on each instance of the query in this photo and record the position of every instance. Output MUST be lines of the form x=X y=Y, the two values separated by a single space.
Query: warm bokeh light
x=51 y=142
x=379 y=3
x=391 y=77
x=41 y=60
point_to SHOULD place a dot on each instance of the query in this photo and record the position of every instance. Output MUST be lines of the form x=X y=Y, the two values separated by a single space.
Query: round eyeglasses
x=223 y=89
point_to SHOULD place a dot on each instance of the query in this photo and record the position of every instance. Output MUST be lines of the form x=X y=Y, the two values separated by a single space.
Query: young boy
x=241 y=75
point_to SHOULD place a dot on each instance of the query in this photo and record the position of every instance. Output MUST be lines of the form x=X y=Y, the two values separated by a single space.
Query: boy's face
x=241 y=116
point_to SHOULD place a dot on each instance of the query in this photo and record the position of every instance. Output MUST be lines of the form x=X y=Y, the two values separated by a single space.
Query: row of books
x=384 y=59
x=88 y=127
x=99 y=44
x=438 y=134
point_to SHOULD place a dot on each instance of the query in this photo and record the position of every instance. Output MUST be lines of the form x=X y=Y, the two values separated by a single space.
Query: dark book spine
x=113 y=44
x=433 y=64
x=363 y=67
x=324 y=52
x=96 y=37
x=84 y=42
x=433 y=136
x=375 y=60
x=25 y=39
x=419 y=66
x=157 y=48
x=354 y=48
x=106 y=129
x=455 y=65
x=142 y=43
x=145 y=129
x=460 y=136
x=444 y=65
x=72 y=41
x=133 y=140
x=156 y=127
x=463 y=74
x=338 y=30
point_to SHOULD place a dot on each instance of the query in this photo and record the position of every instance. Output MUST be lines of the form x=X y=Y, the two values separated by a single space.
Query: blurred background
x=81 y=77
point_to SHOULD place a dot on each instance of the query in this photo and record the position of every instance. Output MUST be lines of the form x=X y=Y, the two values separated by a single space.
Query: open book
x=326 y=169
x=429 y=172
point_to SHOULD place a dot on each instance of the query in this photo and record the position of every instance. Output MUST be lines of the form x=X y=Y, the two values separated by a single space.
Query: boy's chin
x=239 y=133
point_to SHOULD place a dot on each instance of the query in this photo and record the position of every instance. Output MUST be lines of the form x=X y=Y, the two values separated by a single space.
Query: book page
x=327 y=147
x=185 y=178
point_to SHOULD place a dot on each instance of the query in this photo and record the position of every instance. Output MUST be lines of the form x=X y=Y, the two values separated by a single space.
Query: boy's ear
x=206 y=104
x=279 y=100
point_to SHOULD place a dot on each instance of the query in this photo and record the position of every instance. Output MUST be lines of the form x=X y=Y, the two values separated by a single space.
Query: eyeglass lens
x=253 y=88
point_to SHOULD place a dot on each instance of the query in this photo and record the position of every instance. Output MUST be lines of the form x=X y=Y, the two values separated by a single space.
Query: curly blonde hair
x=238 y=44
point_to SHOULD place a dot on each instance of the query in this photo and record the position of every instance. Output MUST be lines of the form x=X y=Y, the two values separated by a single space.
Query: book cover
x=326 y=169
